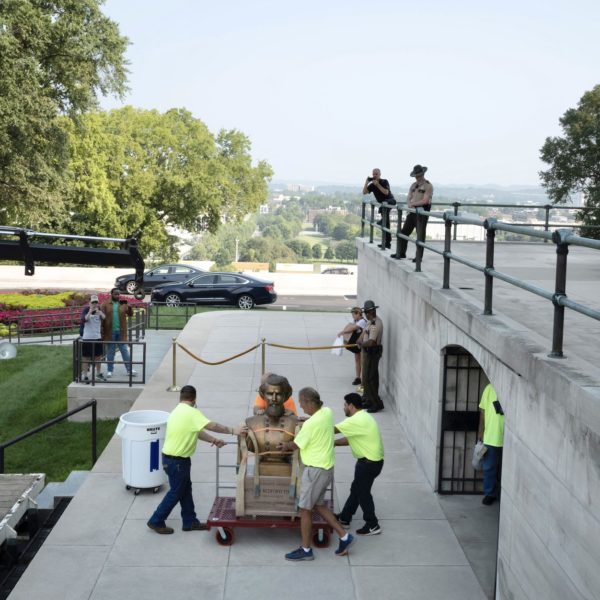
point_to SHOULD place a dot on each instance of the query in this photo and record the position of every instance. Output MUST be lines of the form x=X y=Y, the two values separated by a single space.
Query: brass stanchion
x=263 y=351
x=174 y=387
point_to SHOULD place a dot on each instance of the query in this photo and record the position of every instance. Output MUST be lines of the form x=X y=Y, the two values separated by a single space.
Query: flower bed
x=38 y=312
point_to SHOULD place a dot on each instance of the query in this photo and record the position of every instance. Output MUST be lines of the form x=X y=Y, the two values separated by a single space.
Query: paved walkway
x=102 y=549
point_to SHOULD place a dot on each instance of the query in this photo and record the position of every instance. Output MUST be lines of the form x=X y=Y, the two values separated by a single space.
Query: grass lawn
x=176 y=317
x=33 y=390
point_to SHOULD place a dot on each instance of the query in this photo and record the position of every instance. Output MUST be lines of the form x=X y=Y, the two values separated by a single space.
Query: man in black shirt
x=381 y=190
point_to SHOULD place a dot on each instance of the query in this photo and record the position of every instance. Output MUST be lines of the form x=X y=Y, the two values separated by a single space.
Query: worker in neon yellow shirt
x=362 y=434
x=315 y=441
x=185 y=426
x=491 y=432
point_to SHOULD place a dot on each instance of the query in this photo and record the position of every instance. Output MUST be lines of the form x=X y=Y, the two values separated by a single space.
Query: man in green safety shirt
x=315 y=441
x=361 y=433
x=491 y=432
x=185 y=426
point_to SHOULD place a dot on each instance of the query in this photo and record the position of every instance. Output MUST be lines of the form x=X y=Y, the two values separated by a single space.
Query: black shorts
x=355 y=335
x=92 y=348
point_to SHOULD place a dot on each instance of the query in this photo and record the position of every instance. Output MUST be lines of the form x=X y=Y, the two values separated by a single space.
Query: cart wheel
x=155 y=490
x=321 y=538
x=226 y=537
x=136 y=492
x=127 y=487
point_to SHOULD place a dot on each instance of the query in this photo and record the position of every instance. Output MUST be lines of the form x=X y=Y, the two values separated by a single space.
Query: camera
x=122 y=301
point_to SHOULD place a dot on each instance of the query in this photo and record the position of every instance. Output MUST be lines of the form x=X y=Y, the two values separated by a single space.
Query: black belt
x=370 y=461
x=175 y=457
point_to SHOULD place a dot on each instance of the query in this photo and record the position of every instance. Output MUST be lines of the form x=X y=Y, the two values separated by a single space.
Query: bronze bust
x=275 y=424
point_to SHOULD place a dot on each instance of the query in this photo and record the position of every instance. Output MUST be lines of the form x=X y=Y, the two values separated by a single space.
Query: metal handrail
x=562 y=238
x=54 y=421
x=79 y=359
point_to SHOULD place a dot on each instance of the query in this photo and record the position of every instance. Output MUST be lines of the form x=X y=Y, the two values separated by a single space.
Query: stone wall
x=550 y=506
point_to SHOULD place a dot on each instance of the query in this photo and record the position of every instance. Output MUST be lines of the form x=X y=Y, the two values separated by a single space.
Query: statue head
x=275 y=390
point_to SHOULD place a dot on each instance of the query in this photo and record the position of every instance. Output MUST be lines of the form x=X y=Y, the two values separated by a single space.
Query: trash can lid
x=143 y=418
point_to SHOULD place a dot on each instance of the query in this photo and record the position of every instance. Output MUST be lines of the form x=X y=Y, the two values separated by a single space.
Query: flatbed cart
x=222 y=516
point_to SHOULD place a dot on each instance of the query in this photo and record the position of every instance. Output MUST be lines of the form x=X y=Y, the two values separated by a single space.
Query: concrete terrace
x=102 y=549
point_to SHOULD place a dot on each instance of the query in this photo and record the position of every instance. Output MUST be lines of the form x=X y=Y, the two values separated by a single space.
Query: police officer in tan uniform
x=419 y=195
x=371 y=351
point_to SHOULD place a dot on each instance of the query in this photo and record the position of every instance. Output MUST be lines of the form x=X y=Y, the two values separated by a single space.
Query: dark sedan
x=157 y=276
x=241 y=290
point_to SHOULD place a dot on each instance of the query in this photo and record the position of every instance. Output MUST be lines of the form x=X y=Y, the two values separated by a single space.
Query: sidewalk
x=102 y=549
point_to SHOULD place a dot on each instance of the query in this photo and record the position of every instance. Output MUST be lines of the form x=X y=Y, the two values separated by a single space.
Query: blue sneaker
x=344 y=545
x=300 y=554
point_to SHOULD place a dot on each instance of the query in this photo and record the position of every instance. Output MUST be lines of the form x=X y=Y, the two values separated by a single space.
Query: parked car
x=157 y=276
x=241 y=290
x=337 y=271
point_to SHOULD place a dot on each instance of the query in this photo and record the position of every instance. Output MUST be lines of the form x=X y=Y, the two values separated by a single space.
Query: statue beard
x=275 y=411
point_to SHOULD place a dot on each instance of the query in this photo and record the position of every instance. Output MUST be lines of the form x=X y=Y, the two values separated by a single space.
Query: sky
x=326 y=90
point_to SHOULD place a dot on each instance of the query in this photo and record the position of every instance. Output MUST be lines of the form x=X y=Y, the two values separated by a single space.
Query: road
x=296 y=291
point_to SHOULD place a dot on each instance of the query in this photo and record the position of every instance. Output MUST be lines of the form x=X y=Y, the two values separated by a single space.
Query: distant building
x=296 y=187
x=263 y=209
x=313 y=212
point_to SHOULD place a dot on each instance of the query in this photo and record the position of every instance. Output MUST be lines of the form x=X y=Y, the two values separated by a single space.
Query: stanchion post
x=174 y=387
x=263 y=351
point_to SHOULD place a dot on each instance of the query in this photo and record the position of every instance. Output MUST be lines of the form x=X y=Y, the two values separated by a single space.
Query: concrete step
x=61 y=489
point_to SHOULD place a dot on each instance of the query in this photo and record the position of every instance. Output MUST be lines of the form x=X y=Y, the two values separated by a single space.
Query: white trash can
x=143 y=434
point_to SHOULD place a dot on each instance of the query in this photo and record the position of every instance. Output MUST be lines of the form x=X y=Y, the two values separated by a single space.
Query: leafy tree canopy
x=574 y=159
x=267 y=250
x=137 y=172
x=345 y=251
x=55 y=59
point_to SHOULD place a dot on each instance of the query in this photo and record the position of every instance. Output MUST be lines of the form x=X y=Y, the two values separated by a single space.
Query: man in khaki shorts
x=315 y=441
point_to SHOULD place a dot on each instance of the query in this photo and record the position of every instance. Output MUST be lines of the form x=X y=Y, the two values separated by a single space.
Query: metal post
x=489 y=265
x=546 y=219
x=263 y=350
x=560 y=288
x=174 y=387
x=371 y=223
x=94 y=434
x=363 y=214
x=447 y=252
x=398 y=228
x=456 y=205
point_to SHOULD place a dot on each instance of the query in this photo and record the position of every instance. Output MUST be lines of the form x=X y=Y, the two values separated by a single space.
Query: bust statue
x=275 y=424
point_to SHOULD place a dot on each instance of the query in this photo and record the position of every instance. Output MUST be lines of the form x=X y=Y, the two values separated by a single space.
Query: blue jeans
x=123 y=349
x=365 y=473
x=491 y=463
x=180 y=490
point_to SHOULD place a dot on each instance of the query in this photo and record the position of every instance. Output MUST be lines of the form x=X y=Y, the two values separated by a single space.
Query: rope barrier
x=220 y=362
x=309 y=347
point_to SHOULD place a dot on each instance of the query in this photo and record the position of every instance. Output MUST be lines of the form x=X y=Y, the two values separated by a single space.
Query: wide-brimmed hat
x=369 y=305
x=418 y=170
x=94 y=298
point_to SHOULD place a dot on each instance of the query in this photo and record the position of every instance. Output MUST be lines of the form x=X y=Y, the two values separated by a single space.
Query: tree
x=267 y=250
x=341 y=231
x=140 y=172
x=300 y=248
x=209 y=244
x=55 y=59
x=345 y=251
x=329 y=254
x=574 y=160
x=317 y=251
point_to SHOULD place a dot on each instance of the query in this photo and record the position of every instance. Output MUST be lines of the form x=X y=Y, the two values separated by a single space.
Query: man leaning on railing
x=419 y=196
